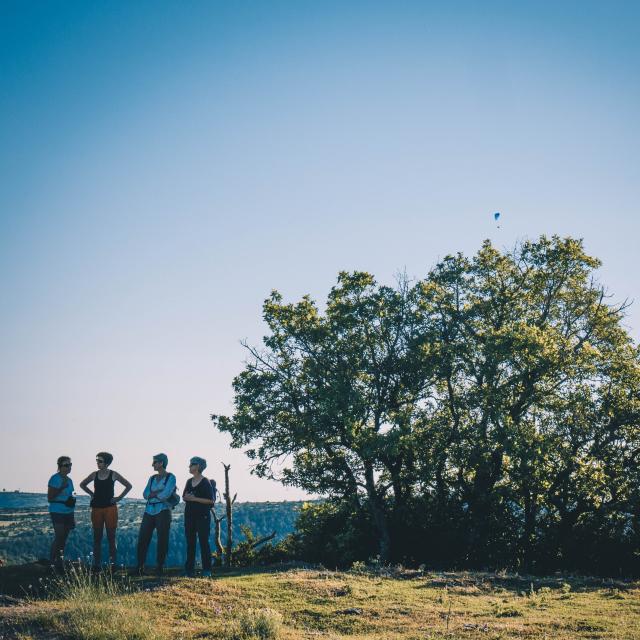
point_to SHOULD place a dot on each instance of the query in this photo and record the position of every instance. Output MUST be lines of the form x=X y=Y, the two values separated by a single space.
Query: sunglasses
x=99 y=460
x=65 y=464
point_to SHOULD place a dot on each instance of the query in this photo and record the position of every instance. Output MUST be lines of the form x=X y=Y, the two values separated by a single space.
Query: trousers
x=197 y=527
x=161 y=522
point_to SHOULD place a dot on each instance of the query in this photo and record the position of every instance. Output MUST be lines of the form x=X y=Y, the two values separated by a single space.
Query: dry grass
x=298 y=604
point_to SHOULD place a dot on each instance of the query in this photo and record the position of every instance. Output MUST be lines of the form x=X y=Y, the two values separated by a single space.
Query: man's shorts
x=104 y=517
x=65 y=519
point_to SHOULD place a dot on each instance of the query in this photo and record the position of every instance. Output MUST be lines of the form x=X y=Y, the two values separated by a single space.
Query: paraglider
x=496 y=217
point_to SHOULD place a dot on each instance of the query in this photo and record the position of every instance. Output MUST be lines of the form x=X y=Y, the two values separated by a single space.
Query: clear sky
x=164 y=165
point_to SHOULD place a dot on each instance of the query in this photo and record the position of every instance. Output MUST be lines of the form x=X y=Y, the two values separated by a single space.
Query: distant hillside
x=25 y=527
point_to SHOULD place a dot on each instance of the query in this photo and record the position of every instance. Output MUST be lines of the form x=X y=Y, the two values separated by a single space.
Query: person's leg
x=163 y=524
x=69 y=524
x=97 y=547
x=204 y=528
x=111 y=539
x=190 y=535
x=111 y=523
x=63 y=544
x=97 y=523
x=144 y=538
x=60 y=533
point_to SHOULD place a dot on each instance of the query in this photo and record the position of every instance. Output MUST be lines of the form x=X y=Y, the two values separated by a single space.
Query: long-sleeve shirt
x=201 y=490
x=165 y=488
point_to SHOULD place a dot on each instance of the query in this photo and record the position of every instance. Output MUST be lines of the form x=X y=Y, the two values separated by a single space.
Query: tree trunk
x=379 y=518
x=218 y=531
x=530 y=512
x=481 y=504
x=229 y=504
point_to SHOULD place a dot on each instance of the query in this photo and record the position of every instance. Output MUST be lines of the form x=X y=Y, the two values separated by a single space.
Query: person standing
x=104 y=510
x=157 y=514
x=61 y=507
x=198 y=497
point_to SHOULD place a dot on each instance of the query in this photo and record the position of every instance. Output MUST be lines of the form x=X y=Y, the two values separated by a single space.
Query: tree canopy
x=487 y=414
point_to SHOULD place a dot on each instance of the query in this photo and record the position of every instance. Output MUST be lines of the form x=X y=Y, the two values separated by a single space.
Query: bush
x=334 y=534
x=245 y=554
x=263 y=624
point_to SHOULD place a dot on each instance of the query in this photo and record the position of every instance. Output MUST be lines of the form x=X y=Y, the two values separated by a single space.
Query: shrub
x=334 y=534
x=261 y=624
x=247 y=554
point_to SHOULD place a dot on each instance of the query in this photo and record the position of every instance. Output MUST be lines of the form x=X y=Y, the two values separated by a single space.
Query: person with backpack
x=61 y=507
x=198 y=497
x=160 y=494
x=104 y=510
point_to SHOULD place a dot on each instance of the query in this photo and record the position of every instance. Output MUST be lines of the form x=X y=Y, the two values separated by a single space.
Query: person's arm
x=83 y=485
x=207 y=490
x=186 y=486
x=168 y=488
x=122 y=481
x=146 y=494
x=53 y=492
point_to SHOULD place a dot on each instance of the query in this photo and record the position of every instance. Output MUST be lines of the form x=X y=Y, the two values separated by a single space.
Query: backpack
x=214 y=488
x=174 y=499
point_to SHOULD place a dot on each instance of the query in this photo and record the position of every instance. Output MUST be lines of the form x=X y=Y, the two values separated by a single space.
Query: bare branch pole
x=257 y=543
x=229 y=502
x=218 y=530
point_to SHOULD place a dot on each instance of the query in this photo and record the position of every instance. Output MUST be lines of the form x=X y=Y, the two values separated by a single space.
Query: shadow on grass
x=35 y=579
x=482 y=583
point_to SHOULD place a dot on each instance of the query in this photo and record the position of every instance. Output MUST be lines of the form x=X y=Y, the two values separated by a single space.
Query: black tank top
x=103 y=491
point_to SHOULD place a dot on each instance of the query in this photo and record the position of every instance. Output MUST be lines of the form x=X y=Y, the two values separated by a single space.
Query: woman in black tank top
x=104 y=512
x=103 y=491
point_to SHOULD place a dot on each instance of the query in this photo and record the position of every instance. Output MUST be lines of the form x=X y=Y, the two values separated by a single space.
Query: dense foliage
x=486 y=415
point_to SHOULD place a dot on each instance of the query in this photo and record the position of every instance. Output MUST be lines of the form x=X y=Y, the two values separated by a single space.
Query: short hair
x=107 y=457
x=161 y=457
x=201 y=462
x=63 y=459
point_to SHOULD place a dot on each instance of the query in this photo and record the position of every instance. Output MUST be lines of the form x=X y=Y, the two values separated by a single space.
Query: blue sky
x=165 y=165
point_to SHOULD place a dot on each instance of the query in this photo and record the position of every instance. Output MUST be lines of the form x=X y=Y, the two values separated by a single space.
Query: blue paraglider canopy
x=496 y=215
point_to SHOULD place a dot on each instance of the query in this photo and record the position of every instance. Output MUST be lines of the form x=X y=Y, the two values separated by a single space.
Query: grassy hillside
x=297 y=603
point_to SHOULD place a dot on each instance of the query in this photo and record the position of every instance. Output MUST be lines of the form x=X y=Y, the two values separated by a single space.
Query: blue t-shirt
x=57 y=506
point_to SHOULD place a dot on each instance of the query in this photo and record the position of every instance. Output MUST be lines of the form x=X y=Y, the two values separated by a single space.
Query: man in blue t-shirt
x=61 y=507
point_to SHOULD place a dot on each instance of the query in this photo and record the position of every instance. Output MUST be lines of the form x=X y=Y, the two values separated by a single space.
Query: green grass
x=303 y=603
x=83 y=606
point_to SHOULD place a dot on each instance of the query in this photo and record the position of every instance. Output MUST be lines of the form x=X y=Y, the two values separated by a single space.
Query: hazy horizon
x=165 y=166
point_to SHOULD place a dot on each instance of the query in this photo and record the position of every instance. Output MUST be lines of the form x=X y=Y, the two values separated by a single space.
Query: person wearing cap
x=157 y=513
x=198 y=497
x=61 y=507
x=104 y=510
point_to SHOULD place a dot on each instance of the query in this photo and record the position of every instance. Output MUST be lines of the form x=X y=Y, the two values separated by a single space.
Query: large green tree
x=497 y=398
x=536 y=375
x=331 y=398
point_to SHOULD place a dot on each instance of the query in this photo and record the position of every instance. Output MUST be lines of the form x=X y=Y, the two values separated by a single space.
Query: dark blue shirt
x=201 y=490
